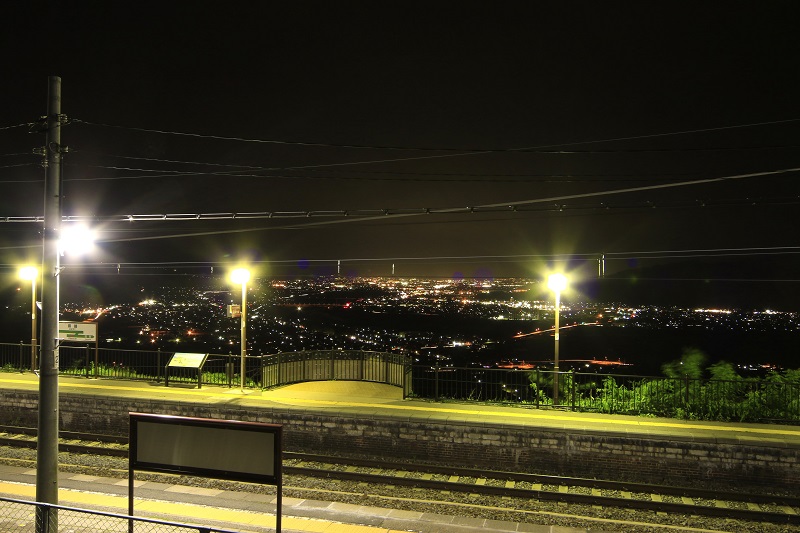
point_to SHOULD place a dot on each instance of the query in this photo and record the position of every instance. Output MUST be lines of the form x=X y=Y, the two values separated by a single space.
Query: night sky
x=516 y=124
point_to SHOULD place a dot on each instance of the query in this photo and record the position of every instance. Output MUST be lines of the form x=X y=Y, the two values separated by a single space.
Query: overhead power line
x=578 y=256
x=16 y=166
x=421 y=148
x=23 y=125
x=415 y=177
x=356 y=213
x=374 y=214
x=453 y=210
x=455 y=152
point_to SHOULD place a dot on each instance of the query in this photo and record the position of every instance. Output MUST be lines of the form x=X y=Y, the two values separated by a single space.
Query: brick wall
x=547 y=451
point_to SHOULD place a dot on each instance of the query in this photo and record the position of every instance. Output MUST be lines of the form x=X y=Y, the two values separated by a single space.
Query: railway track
x=752 y=507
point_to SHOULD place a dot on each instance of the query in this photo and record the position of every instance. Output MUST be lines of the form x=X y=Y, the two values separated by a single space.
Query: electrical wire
x=418 y=148
x=487 y=178
x=490 y=177
x=375 y=214
x=460 y=152
x=456 y=210
x=594 y=209
x=17 y=166
x=357 y=171
x=23 y=125
x=511 y=258
x=17 y=154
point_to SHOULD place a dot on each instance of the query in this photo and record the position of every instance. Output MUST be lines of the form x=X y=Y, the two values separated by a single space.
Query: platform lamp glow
x=30 y=273
x=242 y=276
x=556 y=283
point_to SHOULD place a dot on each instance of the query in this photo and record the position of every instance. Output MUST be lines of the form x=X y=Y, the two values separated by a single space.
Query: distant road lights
x=241 y=276
x=30 y=273
x=556 y=283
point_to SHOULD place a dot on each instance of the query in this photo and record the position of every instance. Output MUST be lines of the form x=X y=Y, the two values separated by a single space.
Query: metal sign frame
x=77 y=331
x=82 y=332
x=186 y=360
x=221 y=449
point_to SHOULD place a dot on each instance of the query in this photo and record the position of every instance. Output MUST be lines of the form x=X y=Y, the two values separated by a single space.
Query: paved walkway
x=375 y=400
x=233 y=511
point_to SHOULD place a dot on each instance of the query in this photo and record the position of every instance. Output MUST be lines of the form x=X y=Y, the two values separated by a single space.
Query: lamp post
x=30 y=273
x=242 y=276
x=556 y=283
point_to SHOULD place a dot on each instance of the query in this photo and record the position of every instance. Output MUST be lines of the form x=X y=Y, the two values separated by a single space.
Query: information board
x=188 y=360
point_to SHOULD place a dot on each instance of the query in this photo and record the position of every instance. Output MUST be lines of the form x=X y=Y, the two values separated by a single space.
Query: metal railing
x=327 y=365
x=15 y=357
x=472 y=384
x=20 y=516
x=261 y=371
x=774 y=398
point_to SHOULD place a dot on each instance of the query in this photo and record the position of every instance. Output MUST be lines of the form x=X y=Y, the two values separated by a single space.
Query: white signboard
x=77 y=331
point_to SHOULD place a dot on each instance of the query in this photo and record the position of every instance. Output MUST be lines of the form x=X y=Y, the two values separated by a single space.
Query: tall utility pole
x=47 y=446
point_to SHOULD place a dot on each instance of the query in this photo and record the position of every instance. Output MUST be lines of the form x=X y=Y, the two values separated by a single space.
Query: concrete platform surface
x=377 y=400
x=234 y=511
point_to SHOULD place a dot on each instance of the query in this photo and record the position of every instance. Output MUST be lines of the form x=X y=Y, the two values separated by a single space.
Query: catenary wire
x=566 y=209
x=461 y=209
x=594 y=255
x=23 y=125
x=384 y=214
x=17 y=166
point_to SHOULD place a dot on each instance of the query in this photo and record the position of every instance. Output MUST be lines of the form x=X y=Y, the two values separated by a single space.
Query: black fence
x=773 y=398
x=262 y=371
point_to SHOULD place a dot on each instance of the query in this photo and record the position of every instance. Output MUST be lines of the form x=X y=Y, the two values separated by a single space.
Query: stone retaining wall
x=496 y=447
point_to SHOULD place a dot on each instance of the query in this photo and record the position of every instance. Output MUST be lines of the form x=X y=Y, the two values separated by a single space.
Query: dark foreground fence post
x=436 y=382
x=686 y=398
x=87 y=361
x=572 y=376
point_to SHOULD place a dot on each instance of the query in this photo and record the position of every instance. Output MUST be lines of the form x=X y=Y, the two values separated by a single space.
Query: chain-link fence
x=19 y=516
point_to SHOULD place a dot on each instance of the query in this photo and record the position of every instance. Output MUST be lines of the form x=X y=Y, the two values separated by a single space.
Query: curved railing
x=329 y=365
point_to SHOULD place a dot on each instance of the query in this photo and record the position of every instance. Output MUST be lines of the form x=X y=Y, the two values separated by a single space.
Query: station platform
x=245 y=512
x=360 y=400
x=369 y=400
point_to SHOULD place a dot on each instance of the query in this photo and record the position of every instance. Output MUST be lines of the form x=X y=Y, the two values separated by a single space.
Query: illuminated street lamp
x=30 y=273
x=242 y=276
x=76 y=240
x=556 y=283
